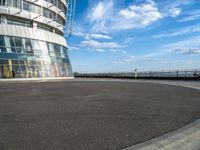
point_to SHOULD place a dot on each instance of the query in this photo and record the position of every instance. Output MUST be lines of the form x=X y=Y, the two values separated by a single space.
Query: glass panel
x=62 y=51
x=3 y=2
x=19 y=22
x=57 y=50
x=6 y=69
x=28 y=46
x=12 y=44
x=7 y=44
x=26 y=6
x=48 y=69
x=2 y=48
x=44 y=50
x=18 y=45
x=9 y=3
x=51 y=50
x=36 y=48
x=16 y=69
x=17 y=3
x=35 y=9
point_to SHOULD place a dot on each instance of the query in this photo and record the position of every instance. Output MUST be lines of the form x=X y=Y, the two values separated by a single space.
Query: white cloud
x=92 y=36
x=137 y=16
x=114 y=50
x=119 y=51
x=99 y=36
x=187 y=30
x=73 y=48
x=100 y=50
x=174 y=12
x=190 y=46
x=151 y=55
x=106 y=17
x=100 y=45
x=103 y=17
x=128 y=40
x=100 y=10
x=124 y=52
x=129 y=59
x=134 y=11
x=99 y=14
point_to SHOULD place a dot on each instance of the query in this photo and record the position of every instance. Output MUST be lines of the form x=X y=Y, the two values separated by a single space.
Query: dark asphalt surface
x=78 y=115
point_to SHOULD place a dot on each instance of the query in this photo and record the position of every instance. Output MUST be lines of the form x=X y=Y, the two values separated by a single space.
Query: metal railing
x=167 y=74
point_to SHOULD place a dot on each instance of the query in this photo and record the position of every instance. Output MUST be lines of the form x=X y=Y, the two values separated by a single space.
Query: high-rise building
x=32 y=43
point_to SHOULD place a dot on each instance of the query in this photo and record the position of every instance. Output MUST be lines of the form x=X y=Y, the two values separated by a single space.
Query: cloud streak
x=190 y=46
x=192 y=16
x=73 y=48
x=187 y=30
x=92 y=36
x=100 y=45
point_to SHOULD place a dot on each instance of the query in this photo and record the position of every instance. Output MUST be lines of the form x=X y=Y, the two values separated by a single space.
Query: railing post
x=177 y=73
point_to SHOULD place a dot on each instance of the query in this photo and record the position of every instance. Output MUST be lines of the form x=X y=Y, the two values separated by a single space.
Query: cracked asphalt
x=91 y=115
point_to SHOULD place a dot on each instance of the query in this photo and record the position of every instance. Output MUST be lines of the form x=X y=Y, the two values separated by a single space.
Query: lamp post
x=135 y=73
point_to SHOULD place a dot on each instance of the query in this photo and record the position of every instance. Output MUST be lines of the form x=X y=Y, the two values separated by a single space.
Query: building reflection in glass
x=28 y=58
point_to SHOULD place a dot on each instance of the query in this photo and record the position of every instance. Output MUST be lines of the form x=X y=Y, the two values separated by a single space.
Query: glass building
x=32 y=43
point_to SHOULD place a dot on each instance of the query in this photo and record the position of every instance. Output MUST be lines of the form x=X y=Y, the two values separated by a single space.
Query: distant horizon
x=119 y=36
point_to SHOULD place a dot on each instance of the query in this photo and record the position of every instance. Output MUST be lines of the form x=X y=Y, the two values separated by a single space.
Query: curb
x=185 y=138
x=36 y=79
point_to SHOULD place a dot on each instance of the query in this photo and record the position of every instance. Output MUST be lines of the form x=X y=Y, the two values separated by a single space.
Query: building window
x=17 y=3
x=26 y=6
x=3 y=2
x=9 y=3
x=12 y=44
x=7 y=44
x=19 y=22
x=27 y=45
x=51 y=50
x=2 y=45
x=18 y=44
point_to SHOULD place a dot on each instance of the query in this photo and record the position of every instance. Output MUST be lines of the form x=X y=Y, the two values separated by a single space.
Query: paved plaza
x=91 y=114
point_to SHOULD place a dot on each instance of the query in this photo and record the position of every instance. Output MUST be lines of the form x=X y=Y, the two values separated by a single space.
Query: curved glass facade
x=31 y=40
x=28 y=58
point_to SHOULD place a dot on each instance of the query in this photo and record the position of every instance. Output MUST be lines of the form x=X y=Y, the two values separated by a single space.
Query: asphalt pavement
x=91 y=115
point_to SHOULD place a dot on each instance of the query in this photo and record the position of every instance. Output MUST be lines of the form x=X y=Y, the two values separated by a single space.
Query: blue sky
x=121 y=35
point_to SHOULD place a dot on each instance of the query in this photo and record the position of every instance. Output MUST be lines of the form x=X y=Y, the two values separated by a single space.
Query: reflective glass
x=18 y=45
x=27 y=58
x=2 y=48
x=7 y=44
x=26 y=6
x=12 y=44
x=28 y=46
